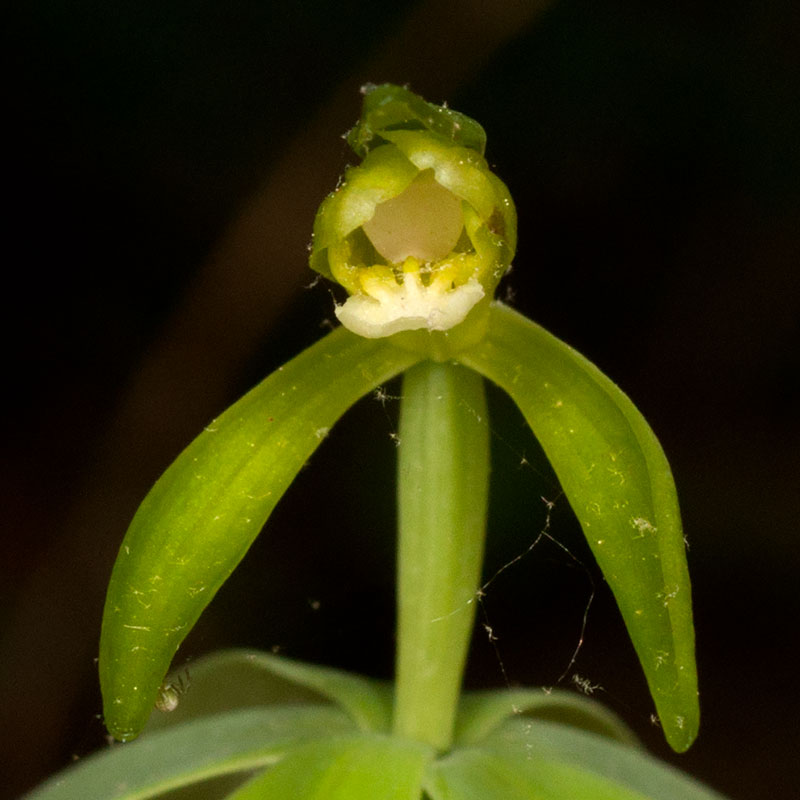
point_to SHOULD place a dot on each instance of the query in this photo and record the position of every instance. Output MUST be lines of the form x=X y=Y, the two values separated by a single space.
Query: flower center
x=423 y=222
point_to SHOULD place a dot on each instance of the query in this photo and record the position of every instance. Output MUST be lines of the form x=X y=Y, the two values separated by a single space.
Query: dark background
x=164 y=165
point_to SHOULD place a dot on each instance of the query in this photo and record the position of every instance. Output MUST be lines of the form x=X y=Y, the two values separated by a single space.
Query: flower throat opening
x=423 y=222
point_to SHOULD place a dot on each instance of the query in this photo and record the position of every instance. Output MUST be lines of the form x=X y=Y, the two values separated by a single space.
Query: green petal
x=467 y=175
x=618 y=482
x=464 y=172
x=221 y=744
x=384 y=174
x=202 y=515
x=365 y=767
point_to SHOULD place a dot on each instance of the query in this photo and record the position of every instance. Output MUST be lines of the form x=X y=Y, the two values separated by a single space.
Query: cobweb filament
x=383 y=397
x=544 y=533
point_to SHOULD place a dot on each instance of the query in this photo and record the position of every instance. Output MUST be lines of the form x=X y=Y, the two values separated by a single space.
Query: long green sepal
x=442 y=504
x=221 y=744
x=619 y=484
x=202 y=515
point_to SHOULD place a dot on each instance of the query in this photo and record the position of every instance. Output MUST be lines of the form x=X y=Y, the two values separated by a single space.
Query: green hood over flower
x=421 y=230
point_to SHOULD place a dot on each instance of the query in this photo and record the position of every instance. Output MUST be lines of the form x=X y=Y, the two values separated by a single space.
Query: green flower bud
x=421 y=231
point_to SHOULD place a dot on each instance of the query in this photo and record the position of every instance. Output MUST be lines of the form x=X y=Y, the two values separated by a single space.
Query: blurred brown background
x=164 y=166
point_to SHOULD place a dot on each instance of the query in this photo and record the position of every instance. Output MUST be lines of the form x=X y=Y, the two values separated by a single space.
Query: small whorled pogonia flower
x=421 y=231
x=419 y=234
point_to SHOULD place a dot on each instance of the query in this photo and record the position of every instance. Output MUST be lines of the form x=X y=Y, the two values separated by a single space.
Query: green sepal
x=389 y=107
x=619 y=484
x=383 y=174
x=200 y=518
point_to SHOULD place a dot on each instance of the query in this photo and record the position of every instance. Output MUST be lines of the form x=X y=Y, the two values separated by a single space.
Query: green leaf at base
x=618 y=482
x=239 y=678
x=204 y=748
x=363 y=767
x=481 y=713
x=527 y=759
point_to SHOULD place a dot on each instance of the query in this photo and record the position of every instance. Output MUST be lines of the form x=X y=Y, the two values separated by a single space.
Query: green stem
x=442 y=501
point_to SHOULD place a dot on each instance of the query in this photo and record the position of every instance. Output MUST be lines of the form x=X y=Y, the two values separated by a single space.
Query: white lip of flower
x=387 y=306
x=434 y=289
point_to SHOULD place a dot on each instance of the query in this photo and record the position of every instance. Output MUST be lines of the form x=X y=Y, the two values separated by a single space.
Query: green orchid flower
x=418 y=234
x=421 y=231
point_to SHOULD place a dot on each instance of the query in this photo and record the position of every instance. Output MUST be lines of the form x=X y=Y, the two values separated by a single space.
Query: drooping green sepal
x=202 y=515
x=619 y=484
x=421 y=231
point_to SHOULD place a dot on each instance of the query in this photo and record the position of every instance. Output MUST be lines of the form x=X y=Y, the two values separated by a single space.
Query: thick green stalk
x=442 y=502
